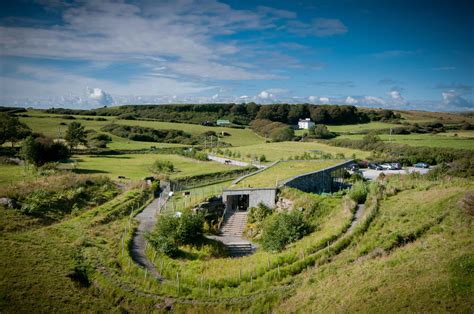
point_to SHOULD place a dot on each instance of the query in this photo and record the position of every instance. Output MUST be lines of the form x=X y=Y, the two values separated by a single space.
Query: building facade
x=305 y=123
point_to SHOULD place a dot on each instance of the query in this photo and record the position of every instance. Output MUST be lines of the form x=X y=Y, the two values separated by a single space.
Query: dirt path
x=358 y=214
x=147 y=219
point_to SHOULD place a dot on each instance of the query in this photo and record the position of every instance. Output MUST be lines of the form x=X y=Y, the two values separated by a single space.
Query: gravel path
x=147 y=219
x=233 y=162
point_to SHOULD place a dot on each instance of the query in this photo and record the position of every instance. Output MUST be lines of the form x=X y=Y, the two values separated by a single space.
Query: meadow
x=50 y=125
x=463 y=140
x=356 y=128
x=285 y=150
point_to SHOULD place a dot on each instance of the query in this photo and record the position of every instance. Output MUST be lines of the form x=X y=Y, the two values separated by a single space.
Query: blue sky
x=90 y=53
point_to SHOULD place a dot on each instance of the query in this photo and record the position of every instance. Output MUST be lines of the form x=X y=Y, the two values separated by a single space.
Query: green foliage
x=358 y=192
x=258 y=214
x=75 y=134
x=162 y=166
x=282 y=229
x=320 y=131
x=41 y=150
x=146 y=134
x=262 y=158
x=172 y=231
x=193 y=153
x=11 y=129
x=282 y=134
x=98 y=140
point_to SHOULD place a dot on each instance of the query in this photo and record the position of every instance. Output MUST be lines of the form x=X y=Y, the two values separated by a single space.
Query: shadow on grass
x=88 y=171
x=110 y=156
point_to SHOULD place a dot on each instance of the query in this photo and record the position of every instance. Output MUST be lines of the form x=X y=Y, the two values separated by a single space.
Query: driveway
x=232 y=162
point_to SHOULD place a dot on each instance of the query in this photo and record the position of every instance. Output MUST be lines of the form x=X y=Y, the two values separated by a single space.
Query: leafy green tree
x=321 y=131
x=76 y=134
x=283 y=134
x=11 y=129
x=282 y=229
x=40 y=150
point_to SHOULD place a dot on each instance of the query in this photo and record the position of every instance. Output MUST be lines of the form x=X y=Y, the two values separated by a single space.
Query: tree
x=41 y=150
x=321 y=131
x=75 y=134
x=282 y=229
x=282 y=134
x=11 y=129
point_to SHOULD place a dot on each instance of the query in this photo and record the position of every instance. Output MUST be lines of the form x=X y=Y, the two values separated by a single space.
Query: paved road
x=233 y=162
x=147 y=219
x=371 y=174
x=358 y=214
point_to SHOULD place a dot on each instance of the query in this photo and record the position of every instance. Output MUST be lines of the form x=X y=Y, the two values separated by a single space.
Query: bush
x=282 y=229
x=358 y=192
x=258 y=214
x=171 y=231
x=321 y=131
x=162 y=166
x=41 y=150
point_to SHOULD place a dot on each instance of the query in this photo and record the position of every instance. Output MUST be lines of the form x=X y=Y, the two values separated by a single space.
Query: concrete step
x=239 y=249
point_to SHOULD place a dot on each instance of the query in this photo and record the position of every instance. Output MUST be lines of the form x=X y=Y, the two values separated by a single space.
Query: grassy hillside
x=285 y=150
x=463 y=140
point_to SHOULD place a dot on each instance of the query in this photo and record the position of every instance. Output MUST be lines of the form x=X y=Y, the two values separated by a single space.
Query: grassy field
x=416 y=257
x=414 y=116
x=49 y=124
x=282 y=171
x=12 y=173
x=464 y=140
x=355 y=128
x=137 y=166
x=285 y=150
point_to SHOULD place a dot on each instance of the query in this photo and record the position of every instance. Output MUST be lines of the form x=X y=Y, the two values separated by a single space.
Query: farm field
x=464 y=140
x=285 y=150
x=138 y=166
x=282 y=171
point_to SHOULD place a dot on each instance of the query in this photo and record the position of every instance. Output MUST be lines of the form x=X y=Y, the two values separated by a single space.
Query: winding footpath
x=147 y=219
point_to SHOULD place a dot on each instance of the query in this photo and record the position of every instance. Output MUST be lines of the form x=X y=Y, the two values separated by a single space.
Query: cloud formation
x=101 y=97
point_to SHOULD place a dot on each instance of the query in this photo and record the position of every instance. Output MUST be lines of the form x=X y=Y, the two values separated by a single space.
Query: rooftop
x=282 y=171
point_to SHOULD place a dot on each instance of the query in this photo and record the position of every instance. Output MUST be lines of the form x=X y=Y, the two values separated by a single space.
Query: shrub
x=358 y=192
x=282 y=229
x=172 y=231
x=259 y=213
x=160 y=166
x=321 y=131
x=41 y=150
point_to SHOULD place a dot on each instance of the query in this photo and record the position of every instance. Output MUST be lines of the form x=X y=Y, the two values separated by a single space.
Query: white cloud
x=265 y=95
x=101 y=96
x=324 y=100
x=453 y=99
x=351 y=101
x=313 y=99
x=395 y=95
x=372 y=100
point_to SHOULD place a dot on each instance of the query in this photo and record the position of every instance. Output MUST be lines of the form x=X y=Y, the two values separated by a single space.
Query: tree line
x=240 y=114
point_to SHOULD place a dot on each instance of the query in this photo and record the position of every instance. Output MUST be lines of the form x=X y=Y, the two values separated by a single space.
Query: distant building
x=223 y=122
x=305 y=124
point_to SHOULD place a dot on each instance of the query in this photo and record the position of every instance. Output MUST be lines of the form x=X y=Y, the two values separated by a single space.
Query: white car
x=387 y=167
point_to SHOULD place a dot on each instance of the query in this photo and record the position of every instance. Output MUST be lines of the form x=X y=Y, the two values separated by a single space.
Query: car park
x=375 y=166
x=421 y=165
x=396 y=165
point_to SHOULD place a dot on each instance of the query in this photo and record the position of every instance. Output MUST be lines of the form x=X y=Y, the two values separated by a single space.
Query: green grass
x=447 y=140
x=355 y=128
x=404 y=262
x=12 y=173
x=282 y=171
x=49 y=124
x=285 y=150
x=137 y=166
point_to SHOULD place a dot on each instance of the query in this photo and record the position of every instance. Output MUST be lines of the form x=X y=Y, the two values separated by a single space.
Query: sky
x=383 y=54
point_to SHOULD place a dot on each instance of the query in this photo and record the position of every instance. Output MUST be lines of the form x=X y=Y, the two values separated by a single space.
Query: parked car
x=354 y=167
x=421 y=165
x=396 y=165
x=386 y=166
x=375 y=166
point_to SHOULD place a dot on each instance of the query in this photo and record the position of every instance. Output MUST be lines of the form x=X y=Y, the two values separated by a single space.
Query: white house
x=305 y=123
